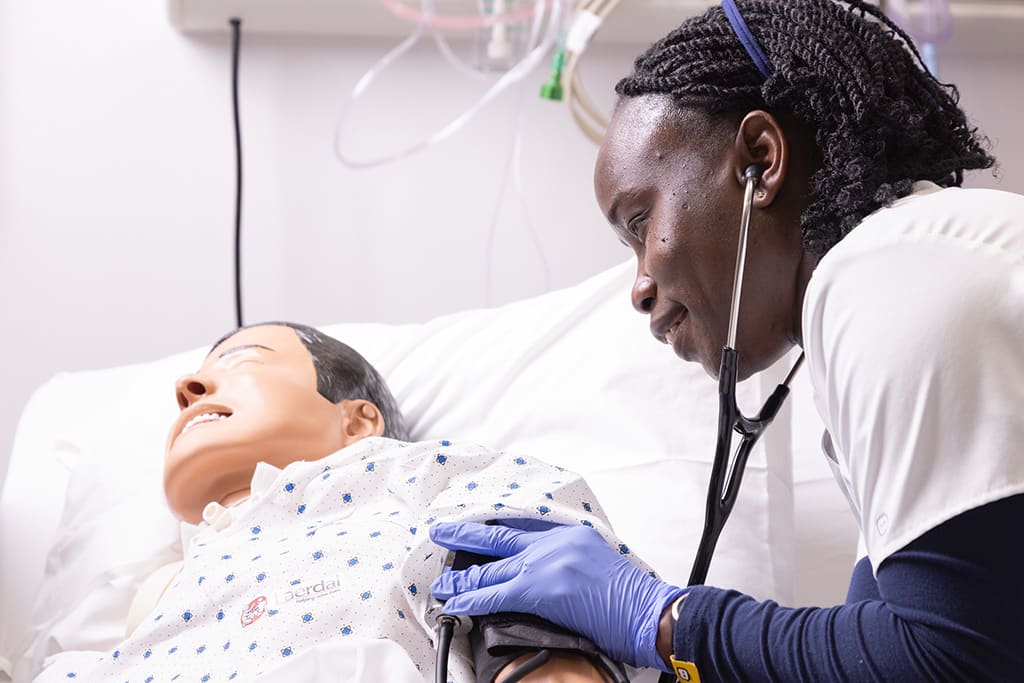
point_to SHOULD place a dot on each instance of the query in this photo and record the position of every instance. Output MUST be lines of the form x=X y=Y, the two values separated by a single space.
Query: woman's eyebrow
x=613 y=210
x=236 y=349
x=622 y=197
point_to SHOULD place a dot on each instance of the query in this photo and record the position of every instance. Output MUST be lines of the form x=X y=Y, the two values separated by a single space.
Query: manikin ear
x=360 y=419
x=760 y=140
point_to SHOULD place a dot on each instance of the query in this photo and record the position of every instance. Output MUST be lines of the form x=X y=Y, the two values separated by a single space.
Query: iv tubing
x=527 y=64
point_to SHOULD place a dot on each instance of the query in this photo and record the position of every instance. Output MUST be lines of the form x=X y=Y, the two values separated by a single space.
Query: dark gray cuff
x=497 y=639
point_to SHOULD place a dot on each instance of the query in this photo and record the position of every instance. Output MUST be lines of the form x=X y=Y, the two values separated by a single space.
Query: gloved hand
x=567 y=575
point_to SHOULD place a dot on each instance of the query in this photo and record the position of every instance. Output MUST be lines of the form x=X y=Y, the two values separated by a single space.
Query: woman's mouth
x=673 y=331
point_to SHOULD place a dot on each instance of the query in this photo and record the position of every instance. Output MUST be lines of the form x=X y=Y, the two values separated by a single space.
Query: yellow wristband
x=686 y=672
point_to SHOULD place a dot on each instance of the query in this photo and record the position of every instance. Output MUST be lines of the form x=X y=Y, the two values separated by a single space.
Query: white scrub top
x=913 y=329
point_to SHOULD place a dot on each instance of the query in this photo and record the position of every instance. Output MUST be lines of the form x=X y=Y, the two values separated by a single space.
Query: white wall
x=116 y=182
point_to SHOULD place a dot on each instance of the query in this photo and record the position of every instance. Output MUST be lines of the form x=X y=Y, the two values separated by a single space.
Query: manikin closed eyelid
x=236 y=359
x=244 y=347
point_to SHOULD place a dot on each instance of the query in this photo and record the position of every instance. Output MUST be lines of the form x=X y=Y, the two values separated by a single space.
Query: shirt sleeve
x=949 y=607
x=914 y=351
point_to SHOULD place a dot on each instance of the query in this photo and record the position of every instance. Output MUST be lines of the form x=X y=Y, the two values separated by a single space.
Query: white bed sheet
x=572 y=377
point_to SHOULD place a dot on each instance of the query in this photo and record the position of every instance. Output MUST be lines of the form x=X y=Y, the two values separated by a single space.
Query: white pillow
x=572 y=377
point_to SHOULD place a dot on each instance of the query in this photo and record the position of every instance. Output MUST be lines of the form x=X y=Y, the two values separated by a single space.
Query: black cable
x=236 y=39
x=445 y=631
x=528 y=667
x=611 y=668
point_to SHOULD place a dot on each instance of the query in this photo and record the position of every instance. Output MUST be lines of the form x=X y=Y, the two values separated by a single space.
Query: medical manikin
x=305 y=539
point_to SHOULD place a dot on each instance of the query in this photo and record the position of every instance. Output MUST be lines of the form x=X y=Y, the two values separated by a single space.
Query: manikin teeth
x=199 y=419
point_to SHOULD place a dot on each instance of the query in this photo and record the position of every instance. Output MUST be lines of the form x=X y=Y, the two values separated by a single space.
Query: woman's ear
x=360 y=419
x=761 y=141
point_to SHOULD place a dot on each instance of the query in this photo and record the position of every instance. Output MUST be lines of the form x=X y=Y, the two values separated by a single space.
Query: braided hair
x=880 y=120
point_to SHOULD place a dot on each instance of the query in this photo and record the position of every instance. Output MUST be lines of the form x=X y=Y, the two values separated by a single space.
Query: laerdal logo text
x=310 y=591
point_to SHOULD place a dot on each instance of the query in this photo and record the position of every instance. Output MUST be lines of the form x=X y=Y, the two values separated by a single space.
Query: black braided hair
x=880 y=120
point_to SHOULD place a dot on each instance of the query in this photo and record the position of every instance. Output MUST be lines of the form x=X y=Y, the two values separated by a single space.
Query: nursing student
x=905 y=293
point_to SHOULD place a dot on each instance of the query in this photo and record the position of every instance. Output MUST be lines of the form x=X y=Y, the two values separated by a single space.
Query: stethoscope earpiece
x=753 y=172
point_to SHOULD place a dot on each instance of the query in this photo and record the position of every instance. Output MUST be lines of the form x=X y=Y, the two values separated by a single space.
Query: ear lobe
x=360 y=419
x=761 y=141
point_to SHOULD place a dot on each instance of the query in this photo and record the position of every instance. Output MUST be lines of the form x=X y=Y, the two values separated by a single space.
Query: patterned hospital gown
x=333 y=549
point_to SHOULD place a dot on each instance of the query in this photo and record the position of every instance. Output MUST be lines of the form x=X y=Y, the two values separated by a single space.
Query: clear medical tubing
x=536 y=53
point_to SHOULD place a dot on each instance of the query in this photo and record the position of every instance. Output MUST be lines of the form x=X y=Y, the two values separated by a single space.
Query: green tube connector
x=552 y=90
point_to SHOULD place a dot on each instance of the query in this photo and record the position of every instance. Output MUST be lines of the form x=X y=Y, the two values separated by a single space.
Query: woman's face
x=670 y=182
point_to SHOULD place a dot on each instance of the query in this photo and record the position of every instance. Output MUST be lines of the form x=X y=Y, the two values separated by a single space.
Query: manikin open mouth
x=204 y=417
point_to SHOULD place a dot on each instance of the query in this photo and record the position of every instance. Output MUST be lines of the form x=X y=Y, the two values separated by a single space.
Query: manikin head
x=276 y=393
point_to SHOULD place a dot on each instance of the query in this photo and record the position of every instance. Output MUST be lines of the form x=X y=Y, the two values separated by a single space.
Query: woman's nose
x=644 y=293
x=191 y=388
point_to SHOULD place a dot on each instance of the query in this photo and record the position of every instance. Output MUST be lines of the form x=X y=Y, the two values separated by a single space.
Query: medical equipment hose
x=445 y=630
x=236 y=39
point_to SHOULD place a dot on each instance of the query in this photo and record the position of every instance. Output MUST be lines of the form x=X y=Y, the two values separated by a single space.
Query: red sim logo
x=256 y=609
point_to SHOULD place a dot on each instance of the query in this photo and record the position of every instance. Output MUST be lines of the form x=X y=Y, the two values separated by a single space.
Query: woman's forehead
x=639 y=123
x=650 y=136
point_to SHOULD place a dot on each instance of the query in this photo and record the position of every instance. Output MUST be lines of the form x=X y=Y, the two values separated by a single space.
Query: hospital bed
x=572 y=377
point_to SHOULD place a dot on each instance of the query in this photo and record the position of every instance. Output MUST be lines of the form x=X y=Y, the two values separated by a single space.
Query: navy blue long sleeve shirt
x=947 y=607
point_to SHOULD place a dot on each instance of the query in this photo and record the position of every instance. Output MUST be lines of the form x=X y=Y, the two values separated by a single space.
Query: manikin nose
x=191 y=388
x=643 y=294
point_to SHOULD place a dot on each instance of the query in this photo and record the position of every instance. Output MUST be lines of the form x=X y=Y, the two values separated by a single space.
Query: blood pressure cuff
x=497 y=639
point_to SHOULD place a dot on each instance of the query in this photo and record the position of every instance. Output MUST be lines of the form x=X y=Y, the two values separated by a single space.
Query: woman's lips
x=672 y=334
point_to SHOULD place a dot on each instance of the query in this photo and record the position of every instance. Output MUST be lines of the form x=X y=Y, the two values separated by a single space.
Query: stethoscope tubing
x=726 y=473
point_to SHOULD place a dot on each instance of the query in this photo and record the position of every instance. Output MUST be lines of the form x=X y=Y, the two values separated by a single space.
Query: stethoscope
x=726 y=473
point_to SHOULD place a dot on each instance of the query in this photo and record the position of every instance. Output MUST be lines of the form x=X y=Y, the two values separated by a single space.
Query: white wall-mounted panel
x=634 y=20
x=981 y=27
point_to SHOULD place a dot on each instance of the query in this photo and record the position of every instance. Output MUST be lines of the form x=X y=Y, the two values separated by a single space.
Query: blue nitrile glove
x=567 y=575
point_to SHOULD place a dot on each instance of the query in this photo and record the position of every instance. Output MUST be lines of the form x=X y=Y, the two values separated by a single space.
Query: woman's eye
x=637 y=227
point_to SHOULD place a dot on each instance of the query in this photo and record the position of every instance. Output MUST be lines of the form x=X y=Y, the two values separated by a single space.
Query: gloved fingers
x=486 y=601
x=498 y=541
x=472 y=578
x=529 y=524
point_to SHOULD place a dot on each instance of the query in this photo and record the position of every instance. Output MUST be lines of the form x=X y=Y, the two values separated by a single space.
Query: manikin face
x=254 y=399
x=669 y=182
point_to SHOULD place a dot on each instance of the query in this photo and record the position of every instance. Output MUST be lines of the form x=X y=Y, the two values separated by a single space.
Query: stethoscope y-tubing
x=726 y=475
